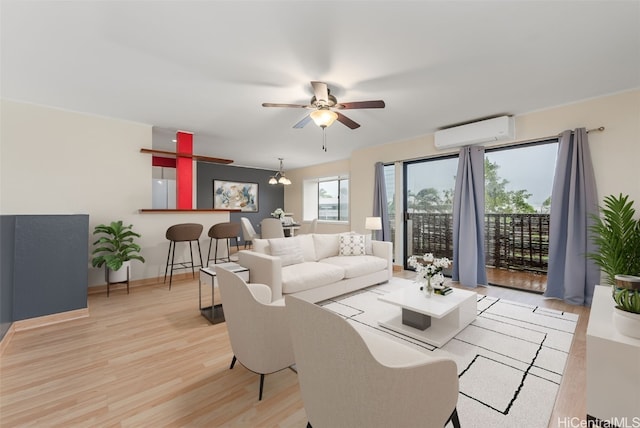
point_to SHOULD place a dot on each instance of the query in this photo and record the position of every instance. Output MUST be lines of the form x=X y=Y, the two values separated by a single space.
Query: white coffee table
x=436 y=319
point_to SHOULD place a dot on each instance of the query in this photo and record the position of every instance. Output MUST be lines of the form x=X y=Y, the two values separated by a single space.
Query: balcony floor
x=526 y=281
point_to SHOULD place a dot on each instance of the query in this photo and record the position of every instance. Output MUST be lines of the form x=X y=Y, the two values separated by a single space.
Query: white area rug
x=510 y=359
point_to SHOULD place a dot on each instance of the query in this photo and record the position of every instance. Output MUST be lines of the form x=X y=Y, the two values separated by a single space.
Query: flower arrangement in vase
x=429 y=271
x=277 y=213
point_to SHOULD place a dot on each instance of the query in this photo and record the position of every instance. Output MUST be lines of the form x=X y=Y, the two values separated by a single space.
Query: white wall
x=615 y=151
x=54 y=161
x=59 y=162
x=293 y=202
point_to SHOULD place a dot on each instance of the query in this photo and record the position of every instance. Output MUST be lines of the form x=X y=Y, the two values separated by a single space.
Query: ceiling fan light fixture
x=324 y=117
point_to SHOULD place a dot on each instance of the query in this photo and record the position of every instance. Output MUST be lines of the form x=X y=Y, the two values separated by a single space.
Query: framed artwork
x=231 y=195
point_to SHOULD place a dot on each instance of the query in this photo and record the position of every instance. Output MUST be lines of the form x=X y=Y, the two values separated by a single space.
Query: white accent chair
x=359 y=379
x=271 y=228
x=258 y=328
x=248 y=232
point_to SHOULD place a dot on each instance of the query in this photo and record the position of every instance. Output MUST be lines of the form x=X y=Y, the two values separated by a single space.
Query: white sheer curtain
x=571 y=276
x=468 y=219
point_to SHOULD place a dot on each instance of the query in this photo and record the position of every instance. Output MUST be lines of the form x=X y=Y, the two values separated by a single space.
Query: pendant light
x=279 y=177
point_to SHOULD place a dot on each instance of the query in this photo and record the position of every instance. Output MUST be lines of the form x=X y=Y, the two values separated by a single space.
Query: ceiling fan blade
x=321 y=92
x=284 y=105
x=346 y=121
x=303 y=122
x=361 y=104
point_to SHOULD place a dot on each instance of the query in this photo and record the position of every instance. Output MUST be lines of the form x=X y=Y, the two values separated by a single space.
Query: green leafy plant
x=627 y=299
x=617 y=234
x=115 y=246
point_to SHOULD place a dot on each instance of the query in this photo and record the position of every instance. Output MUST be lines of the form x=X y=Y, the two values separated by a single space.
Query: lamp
x=323 y=117
x=373 y=224
x=279 y=177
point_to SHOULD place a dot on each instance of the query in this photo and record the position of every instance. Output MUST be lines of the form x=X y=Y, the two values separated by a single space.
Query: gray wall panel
x=51 y=264
x=270 y=197
x=7 y=226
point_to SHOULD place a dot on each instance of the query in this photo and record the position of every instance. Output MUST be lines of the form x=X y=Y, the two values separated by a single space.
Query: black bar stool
x=226 y=231
x=184 y=232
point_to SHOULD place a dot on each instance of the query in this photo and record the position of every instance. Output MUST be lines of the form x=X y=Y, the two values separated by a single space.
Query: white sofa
x=317 y=267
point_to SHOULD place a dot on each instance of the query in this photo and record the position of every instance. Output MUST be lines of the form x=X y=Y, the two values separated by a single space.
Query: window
x=326 y=199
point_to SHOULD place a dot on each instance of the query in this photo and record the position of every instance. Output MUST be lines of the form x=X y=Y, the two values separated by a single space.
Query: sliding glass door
x=518 y=181
x=428 y=201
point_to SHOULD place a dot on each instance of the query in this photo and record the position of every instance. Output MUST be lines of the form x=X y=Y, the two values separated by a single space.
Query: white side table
x=214 y=313
x=613 y=365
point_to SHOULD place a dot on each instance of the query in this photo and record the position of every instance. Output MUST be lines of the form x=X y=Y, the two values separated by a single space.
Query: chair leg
x=233 y=362
x=309 y=425
x=215 y=255
x=209 y=252
x=193 y=269
x=454 y=418
x=261 y=385
x=200 y=254
x=167 y=265
x=173 y=257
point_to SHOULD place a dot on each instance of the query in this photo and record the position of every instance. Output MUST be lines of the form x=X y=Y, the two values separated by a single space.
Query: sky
x=529 y=168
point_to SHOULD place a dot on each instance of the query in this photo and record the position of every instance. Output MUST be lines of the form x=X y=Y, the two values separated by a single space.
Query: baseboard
x=37 y=322
x=7 y=338
x=99 y=289
x=398 y=268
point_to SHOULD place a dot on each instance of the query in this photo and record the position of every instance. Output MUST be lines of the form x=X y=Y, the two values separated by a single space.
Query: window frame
x=311 y=198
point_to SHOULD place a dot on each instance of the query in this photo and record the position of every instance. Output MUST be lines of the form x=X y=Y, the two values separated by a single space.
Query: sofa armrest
x=264 y=269
x=384 y=250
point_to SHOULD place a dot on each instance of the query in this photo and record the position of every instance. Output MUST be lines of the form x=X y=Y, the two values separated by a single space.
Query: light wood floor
x=150 y=359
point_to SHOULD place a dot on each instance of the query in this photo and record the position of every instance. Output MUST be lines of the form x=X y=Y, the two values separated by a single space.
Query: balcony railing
x=512 y=241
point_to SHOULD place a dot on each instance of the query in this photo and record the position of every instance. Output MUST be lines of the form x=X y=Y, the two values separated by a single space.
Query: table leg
x=213 y=313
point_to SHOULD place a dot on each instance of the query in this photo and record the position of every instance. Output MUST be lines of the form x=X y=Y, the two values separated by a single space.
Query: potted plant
x=115 y=249
x=617 y=234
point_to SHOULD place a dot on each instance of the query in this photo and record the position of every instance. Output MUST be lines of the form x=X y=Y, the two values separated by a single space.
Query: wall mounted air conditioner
x=485 y=131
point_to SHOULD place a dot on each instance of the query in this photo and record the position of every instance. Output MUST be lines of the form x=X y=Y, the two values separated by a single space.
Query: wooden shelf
x=173 y=155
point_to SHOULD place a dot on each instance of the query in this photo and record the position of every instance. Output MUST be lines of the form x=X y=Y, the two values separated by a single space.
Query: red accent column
x=184 y=171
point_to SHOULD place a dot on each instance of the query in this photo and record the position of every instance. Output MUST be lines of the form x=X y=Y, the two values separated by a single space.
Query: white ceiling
x=207 y=66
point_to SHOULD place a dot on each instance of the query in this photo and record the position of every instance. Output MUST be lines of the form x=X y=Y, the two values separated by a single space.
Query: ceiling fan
x=323 y=105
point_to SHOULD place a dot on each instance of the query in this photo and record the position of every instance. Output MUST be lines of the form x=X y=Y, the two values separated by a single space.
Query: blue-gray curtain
x=380 y=207
x=468 y=219
x=571 y=276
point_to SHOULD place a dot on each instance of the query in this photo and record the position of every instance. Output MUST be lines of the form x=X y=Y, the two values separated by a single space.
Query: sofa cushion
x=261 y=246
x=308 y=247
x=307 y=275
x=326 y=244
x=357 y=265
x=289 y=250
x=351 y=245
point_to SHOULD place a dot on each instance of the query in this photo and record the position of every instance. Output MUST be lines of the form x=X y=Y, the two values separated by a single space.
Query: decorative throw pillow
x=289 y=250
x=351 y=245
